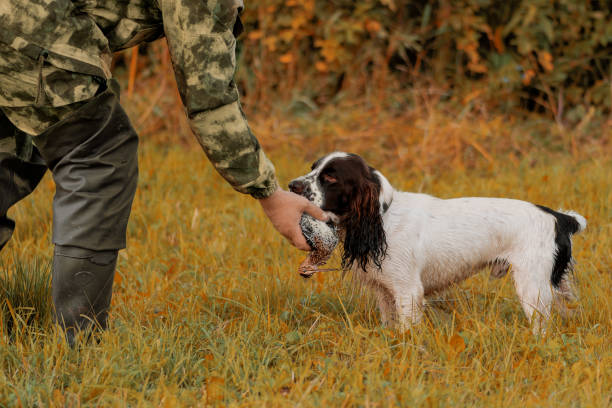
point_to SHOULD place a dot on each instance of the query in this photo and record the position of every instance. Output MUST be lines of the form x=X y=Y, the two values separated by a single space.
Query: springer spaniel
x=406 y=245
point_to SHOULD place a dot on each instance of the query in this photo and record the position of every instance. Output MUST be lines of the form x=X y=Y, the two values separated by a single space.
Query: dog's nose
x=296 y=186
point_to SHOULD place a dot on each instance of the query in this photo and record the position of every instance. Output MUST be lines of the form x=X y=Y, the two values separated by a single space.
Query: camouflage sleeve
x=202 y=48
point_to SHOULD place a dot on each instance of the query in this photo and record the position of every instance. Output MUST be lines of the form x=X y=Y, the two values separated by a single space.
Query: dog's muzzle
x=302 y=188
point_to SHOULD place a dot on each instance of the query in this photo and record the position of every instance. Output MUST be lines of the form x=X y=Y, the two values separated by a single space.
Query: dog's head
x=358 y=195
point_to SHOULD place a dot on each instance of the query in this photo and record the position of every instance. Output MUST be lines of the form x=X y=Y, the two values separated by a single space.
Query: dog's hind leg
x=565 y=296
x=531 y=277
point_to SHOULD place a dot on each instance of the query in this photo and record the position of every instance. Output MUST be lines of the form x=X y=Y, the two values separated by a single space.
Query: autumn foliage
x=542 y=55
x=429 y=86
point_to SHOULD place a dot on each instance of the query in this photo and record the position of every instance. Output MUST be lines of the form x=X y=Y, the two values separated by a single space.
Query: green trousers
x=92 y=156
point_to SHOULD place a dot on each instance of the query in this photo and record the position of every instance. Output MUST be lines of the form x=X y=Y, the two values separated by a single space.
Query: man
x=59 y=109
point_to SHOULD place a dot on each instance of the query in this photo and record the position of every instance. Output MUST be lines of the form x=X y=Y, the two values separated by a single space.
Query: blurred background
x=425 y=84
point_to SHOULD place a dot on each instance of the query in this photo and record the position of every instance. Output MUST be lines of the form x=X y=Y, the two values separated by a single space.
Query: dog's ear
x=365 y=239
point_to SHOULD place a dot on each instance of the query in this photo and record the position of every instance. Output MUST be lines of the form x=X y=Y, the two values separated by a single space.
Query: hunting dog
x=405 y=246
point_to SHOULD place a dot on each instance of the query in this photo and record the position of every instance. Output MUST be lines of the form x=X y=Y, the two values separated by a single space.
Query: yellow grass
x=208 y=307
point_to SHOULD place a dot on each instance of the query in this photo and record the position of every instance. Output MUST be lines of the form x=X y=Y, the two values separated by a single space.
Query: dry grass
x=208 y=307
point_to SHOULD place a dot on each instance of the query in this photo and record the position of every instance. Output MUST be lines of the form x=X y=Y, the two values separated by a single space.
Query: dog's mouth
x=308 y=196
x=301 y=188
x=304 y=189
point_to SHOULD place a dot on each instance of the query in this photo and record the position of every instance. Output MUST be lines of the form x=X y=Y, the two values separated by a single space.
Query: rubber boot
x=82 y=288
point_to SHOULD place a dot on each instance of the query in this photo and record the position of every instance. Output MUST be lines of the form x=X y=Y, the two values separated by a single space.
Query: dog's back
x=450 y=240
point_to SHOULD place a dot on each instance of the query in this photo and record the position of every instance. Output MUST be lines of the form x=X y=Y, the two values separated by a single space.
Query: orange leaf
x=372 y=26
x=321 y=66
x=498 y=42
x=529 y=74
x=545 y=59
x=117 y=278
x=457 y=343
x=214 y=389
x=329 y=49
x=286 y=58
x=471 y=96
x=255 y=35
x=270 y=43
x=477 y=67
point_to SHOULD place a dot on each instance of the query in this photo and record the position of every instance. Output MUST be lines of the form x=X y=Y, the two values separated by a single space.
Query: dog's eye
x=328 y=178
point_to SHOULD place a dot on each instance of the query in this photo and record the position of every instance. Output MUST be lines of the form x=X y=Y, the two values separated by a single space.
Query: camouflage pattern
x=34 y=120
x=55 y=54
x=21 y=169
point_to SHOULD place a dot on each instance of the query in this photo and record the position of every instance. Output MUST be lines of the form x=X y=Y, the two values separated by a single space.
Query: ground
x=208 y=306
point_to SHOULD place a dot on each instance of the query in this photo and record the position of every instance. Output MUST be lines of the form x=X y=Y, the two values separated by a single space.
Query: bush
x=542 y=55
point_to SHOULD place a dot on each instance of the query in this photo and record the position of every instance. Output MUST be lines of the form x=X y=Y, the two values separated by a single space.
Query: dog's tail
x=582 y=222
x=567 y=223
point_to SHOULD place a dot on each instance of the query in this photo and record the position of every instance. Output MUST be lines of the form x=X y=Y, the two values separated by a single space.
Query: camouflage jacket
x=55 y=53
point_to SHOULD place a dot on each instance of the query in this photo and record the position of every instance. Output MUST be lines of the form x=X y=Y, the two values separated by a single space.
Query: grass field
x=208 y=307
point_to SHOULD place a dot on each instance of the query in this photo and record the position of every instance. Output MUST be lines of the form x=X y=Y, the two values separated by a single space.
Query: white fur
x=433 y=243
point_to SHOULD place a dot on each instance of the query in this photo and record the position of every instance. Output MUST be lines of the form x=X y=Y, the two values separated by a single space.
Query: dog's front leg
x=386 y=304
x=409 y=300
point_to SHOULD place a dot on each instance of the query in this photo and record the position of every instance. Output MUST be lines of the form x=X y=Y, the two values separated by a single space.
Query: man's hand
x=285 y=210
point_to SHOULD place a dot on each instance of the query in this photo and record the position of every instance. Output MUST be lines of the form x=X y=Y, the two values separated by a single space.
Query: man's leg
x=92 y=155
x=21 y=169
